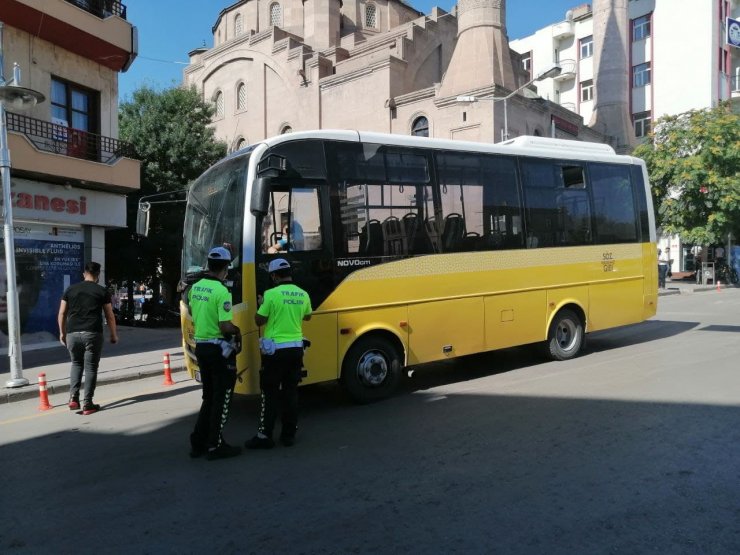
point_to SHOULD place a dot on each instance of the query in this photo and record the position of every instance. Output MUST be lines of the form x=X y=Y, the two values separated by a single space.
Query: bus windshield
x=214 y=215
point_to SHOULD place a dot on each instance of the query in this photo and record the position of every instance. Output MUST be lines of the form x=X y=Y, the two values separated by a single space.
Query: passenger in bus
x=283 y=310
x=292 y=241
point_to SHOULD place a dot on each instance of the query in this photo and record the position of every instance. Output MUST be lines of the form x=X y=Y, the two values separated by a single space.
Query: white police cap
x=278 y=264
x=219 y=253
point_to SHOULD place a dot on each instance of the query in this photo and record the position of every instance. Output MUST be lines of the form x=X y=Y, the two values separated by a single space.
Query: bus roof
x=544 y=147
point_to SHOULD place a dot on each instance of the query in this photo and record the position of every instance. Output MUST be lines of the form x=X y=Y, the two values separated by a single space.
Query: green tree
x=693 y=160
x=171 y=134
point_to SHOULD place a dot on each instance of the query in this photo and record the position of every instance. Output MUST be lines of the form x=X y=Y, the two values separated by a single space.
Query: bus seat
x=430 y=225
x=371 y=239
x=472 y=242
x=411 y=228
x=394 y=237
x=453 y=232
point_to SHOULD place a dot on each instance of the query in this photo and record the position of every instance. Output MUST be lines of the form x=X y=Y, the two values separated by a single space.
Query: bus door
x=295 y=226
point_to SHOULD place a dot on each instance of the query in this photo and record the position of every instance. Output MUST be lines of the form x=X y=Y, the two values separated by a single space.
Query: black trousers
x=279 y=379
x=218 y=378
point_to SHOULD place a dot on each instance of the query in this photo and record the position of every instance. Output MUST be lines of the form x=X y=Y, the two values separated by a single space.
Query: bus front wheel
x=565 y=337
x=371 y=369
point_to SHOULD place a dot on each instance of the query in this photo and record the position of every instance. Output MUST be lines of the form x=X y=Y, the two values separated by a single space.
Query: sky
x=169 y=29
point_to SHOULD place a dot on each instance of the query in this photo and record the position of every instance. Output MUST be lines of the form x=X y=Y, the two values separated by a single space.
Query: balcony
x=562 y=30
x=52 y=152
x=101 y=8
x=94 y=29
x=568 y=70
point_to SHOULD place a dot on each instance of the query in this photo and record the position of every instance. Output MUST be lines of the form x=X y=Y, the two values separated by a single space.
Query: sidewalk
x=686 y=287
x=137 y=354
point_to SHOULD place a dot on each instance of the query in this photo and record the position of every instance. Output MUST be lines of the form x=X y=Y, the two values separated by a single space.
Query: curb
x=690 y=290
x=31 y=390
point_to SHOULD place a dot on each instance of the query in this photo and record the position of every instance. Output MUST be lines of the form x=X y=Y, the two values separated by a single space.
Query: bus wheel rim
x=372 y=368
x=566 y=335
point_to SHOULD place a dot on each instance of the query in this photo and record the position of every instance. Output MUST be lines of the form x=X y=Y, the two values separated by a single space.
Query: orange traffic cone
x=719 y=286
x=167 y=372
x=43 y=395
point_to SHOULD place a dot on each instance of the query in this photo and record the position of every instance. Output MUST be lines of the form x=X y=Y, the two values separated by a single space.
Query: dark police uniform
x=285 y=307
x=210 y=303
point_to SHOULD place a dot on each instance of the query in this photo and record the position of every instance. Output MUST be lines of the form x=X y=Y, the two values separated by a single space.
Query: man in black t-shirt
x=81 y=331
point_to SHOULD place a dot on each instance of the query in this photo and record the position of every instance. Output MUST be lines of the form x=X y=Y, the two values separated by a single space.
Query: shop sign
x=733 y=32
x=38 y=201
x=47 y=260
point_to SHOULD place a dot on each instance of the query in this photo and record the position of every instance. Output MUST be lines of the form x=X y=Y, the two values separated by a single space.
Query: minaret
x=611 y=114
x=482 y=56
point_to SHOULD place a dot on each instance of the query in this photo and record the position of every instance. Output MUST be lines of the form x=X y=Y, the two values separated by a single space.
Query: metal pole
x=14 y=336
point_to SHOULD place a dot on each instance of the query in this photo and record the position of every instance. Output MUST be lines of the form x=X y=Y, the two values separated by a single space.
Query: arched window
x=238 y=25
x=286 y=129
x=241 y=97
x=276 y=15
x=218 y=102
x=371 y=16
x=241 y=143
x=420 y=128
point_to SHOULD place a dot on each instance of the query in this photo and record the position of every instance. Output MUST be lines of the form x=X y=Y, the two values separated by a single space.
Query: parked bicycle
x=725 y=273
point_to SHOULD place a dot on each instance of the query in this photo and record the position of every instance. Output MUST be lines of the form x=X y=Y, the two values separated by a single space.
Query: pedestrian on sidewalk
x=217 y=340
x=284 y=309
x=81 y=331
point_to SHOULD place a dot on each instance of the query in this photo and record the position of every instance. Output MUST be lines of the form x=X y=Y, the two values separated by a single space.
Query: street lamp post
x=19 y=98
x=552 y=71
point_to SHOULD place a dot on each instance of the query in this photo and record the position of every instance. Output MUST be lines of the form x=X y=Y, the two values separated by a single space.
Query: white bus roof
x=525 y=146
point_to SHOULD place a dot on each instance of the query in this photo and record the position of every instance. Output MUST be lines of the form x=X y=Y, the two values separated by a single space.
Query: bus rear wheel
x=565 y=338
x=371 y=369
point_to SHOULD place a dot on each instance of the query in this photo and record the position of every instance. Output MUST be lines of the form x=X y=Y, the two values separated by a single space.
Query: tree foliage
x=693 y=160
x=171 y=134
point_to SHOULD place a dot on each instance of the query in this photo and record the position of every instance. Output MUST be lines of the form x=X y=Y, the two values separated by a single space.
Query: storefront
x=56 y=230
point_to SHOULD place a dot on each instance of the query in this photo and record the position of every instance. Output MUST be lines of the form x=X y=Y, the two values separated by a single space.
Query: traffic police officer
x=284 y=309
x=210 y=305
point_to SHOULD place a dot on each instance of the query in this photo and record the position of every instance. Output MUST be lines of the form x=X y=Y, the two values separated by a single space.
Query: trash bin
x=662 y=273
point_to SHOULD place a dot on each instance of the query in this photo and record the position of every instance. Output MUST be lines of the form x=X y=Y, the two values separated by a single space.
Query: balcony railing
x=59 y=139
x=101 y=8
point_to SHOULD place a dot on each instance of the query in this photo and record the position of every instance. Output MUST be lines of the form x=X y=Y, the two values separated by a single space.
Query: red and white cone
x=167 y=371
x=43 y=394
x=719 y=286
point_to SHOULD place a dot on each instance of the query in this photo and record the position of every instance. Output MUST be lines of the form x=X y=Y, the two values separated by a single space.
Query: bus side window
x=615 y=215
x=480 y=202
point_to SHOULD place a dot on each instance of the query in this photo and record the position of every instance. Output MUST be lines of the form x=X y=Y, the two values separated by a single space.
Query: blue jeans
x=84 y=349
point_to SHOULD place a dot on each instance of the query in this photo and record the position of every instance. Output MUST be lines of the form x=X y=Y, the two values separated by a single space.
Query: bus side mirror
x=260 y=201
x=272 y=165
x=142 y=219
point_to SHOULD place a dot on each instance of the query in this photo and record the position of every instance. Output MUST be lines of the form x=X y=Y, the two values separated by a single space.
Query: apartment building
x=680 y=59
x=69 y=172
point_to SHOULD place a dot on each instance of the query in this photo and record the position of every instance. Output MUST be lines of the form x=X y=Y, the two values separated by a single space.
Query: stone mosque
x=380 y=65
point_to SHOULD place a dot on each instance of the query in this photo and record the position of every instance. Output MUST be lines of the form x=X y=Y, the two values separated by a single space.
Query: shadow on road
x=467 y=473
x=159 y=396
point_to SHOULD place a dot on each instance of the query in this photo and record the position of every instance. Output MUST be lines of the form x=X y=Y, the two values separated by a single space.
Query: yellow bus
x=415 y=249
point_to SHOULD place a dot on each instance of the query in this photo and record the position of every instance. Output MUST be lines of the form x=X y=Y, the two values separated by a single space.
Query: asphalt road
x=634 y=447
